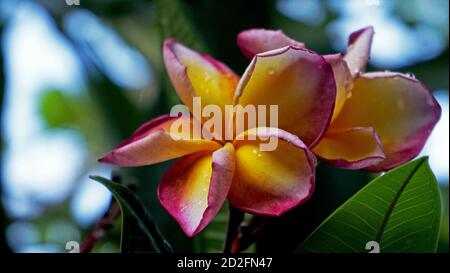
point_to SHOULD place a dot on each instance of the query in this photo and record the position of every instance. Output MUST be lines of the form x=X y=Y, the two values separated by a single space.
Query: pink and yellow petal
x=155 y=142
x=196 y=75
x=254 y=41
x=194 y=189
x=358 y=50
x=343 y=79
x=354 y=148
x=298 y=81
x=271 y=182
x=400 y=109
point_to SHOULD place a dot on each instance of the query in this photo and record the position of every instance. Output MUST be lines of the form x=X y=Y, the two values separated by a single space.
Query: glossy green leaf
x=400 y=211
x=139 y=232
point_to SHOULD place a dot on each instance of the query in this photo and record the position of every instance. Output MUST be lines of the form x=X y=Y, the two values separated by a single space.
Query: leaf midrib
x=395 y=201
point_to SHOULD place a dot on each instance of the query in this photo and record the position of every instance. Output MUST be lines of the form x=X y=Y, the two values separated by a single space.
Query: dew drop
x=349 y=94
x=271 y=71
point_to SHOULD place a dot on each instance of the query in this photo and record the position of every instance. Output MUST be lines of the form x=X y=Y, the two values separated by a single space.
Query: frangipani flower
x=270 y=183
x=381 y=119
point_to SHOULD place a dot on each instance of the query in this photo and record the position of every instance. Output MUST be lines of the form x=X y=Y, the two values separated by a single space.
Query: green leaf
x=399 y=210
x=139 y=232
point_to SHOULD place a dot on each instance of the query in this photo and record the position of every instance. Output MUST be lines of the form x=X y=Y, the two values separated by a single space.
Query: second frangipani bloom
x=301 y=84
x=380 y=120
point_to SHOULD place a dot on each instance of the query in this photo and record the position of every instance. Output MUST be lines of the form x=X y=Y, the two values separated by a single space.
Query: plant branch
x=101 y=227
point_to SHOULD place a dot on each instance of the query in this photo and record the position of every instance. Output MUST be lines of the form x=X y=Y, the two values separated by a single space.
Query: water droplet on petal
x=349 y=94
x=271 y=71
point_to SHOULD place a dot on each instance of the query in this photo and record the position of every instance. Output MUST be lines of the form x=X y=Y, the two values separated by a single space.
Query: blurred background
x=77 y=76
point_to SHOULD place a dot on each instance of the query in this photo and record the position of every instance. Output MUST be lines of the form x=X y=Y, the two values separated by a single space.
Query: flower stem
x=249 y=233
x=234 y=223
